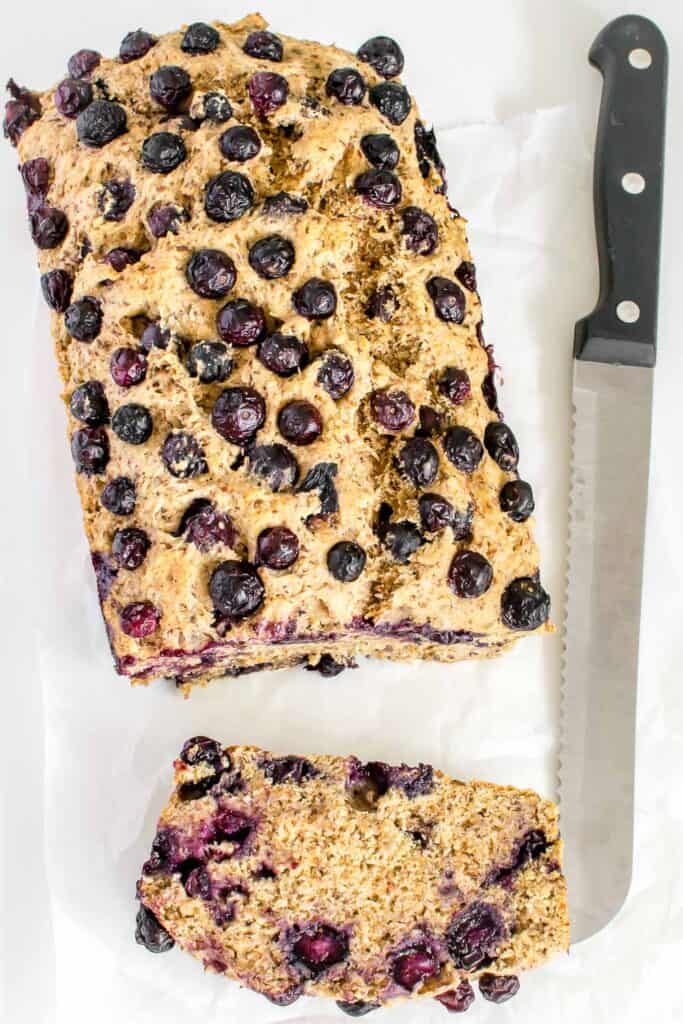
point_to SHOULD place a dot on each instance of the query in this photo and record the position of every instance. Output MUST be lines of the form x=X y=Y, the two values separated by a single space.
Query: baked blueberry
x=384 y=55
x=517 y=500
x=132 y=423
x=428 y=154
x=525 y=604
x=459 y=999
x=328 y=667
x=316 y=299
x=200 y=38
x=318 y=948
x=357 y=1009
x=209 y=362
x=20 y=113
x=346 y=561
x=115 y=198
x=346 y=85
x=392 y=101
x=267 y=91
x=236 y=589
x=498 y=988
x=83 y=62
x=392 y=410
x=204 y=526
x=300 y=422
x=48 y=226
x=501 y=444
x=150 y=934
x=474 y=935
x=164 y=218
x=402 y=540
x=284 y=204
x=272 y=257
x=119 y=496
x=418 y=461
x=283 y=354
x=90 y=450
x=140 y=619
x=35 y=175
x=277 y=547
x=463 y=449
x=88 y=403
x=379 y=188
x=419 y=231
x=202 y=750
x=170 y=86
x=436 y=513
x=122 y=257
x=336 y=374
x=56 y=286
x=238 y=413
x=154 y=336
x=275 y=465
x=239 y=143
x=431 y=422
x=162 y=152
x=83 y=319
x=100 y=123
x=210 y=273
x=183 y=455
x=241 y=323
x=448 y=298
x=263 y=45
x=217 y=107
x=135 y=45
x=454 y=384
x=228 y=196
x=415 y=965
x=467 y=275
x=470 y=574
x=320 y=478
x=381 y=150
x=129 y=547
x=382 y=304
x=73 y=95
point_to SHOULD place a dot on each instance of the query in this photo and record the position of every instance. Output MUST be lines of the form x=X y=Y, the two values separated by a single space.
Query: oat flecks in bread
x=364 y=883
x=281 y=408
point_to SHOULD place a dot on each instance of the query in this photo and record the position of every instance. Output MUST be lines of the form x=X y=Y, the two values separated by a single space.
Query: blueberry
x=135 y=45
x=501 y=444
x=328 y=667
x=448 y=298
x=402 y=540
x=320 y=477
x=267 y=91
x=470 y=574
x=392 y=101
x=154 y=336
x=204 y=526
x=238 y=413
x=115 y=198
x=427 y=152
x=183 y=455
x=384 y=55
x=132 y=423
x=525 y=604
x=300 y=422
x=382 y=304
x=272 y=257
x=285 y=998
x=318 y=948
x=217 y=107
x=275 y=465
x=287 y=769
x=170 y=86
x=393 y=410
x=228 y=196
x=336 y=374
x=357 y=1009
x=517 y=500
x=366 y=783
x=120 y=258
x=277 y=547
x=83 y=62
x=210 y=273
x=346 y=85
x=100 y=123
x=163 y=855
x=530 y=848
x=129 y=547
x=56 y=287
x=467 y=275
x=119 y=497
x=430 y=422
x=415 y=966
x=283 y=354
x=196 y=879
x=240 y=323
x=436 y=513
x=20 y=113
x=498 y=988
x=379 y=188
x=162 y=152
x=164 y=218
x=420 y=231
x=200 y=38
x=140 y=619
x=316 y=299
x=35 y=175
x=90 y=450
x=381 y=150
x=418 y=461
x=346 y=561
x=236 y=589
x=474 y=935
x=263 y=45
x=459 y=999
x=88 y=403
x=83 y=319
x=150 y=934
x=454 y=384
x=463 y=449
x=209 y=361
x=284 y=204
x=72 y=95
x=202 y=750
x=239 y=143
x=48 y=226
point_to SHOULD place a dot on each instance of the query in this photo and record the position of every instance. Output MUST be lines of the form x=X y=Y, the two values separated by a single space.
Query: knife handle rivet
x=633 y=183
x=628 y=312
x=640 y=59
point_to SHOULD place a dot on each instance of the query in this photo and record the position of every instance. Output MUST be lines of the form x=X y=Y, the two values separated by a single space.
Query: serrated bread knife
x=614 y=358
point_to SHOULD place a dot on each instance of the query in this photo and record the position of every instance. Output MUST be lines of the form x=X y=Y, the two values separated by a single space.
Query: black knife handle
x=630 y=141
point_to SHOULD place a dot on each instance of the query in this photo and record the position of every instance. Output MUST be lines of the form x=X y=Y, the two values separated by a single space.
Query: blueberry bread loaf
x=282 y=412
x=364 y=883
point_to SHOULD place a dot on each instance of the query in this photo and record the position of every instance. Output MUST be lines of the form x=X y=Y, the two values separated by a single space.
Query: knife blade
x=614 y=359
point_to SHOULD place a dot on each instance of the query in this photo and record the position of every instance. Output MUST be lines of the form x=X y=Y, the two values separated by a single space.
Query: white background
x=85 y=760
